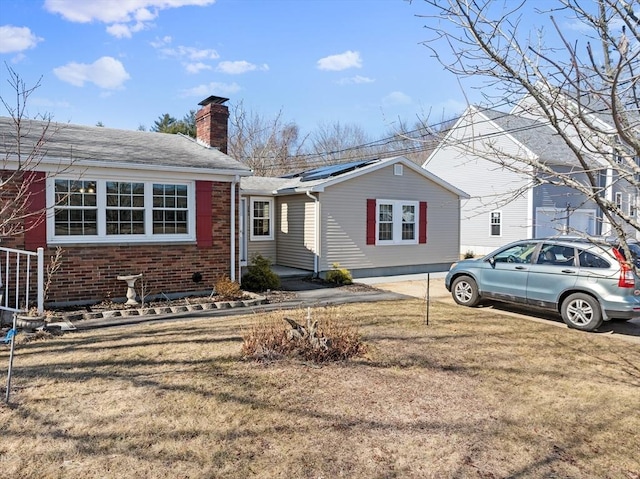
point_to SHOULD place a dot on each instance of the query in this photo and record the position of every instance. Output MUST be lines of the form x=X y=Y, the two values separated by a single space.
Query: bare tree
x=18 y=183
x=584 y=89
x=270 y=147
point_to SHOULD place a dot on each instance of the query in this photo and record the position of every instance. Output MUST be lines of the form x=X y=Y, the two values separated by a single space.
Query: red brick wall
x=89 y=272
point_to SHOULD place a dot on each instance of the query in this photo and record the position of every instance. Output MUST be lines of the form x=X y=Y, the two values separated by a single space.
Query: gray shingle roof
x=66 y=141
x=536 y=136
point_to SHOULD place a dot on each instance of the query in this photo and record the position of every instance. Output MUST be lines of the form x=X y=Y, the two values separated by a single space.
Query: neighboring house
x=507 y=205
x=375 y=217
x=127 y=202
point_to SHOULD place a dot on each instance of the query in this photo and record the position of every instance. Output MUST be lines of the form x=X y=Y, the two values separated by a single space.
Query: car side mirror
x=492 y=261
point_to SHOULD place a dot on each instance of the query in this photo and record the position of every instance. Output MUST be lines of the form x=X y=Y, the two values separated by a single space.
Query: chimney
x=211 y=122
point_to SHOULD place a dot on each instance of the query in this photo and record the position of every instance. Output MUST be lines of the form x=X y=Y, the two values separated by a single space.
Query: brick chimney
x=211 y=122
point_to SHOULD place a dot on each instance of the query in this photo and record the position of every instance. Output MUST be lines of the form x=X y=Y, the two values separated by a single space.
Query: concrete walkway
x=415 y=285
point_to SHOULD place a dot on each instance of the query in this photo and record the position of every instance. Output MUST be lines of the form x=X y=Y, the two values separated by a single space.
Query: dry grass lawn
x=474 y=394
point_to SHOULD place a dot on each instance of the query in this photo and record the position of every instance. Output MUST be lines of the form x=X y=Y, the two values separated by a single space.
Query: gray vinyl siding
x=489 y=186
x=344 y=211
x=295 y=234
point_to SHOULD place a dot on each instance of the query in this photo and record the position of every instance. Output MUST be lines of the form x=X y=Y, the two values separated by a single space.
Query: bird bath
x=131 y=282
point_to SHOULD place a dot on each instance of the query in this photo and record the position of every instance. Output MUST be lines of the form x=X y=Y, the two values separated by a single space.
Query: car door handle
x=521 y=267
x=568 y=271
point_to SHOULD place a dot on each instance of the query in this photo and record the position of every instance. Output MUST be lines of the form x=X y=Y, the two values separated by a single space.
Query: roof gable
x=320 y=178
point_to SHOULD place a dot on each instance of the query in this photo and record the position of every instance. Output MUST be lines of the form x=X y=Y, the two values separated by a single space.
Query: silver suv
x=587 y=282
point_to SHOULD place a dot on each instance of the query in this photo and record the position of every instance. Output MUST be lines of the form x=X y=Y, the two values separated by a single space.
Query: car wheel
x=465 y=291
x=581 y=311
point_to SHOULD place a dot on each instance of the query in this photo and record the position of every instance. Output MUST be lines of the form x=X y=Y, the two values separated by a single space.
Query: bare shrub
x=319 y=335
x=227 y=288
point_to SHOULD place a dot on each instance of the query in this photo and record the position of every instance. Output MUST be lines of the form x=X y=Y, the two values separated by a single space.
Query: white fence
x=18 y=269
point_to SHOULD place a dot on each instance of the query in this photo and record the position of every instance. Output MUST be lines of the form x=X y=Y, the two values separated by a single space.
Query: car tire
x=465 y=291
x=581 y=311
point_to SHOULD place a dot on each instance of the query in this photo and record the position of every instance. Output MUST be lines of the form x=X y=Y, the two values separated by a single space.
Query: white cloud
x=355 y=80
x=17 y=39
x=161 y=42
x=197 y=67
x=106 y=72
x=213 y=88
x=238 y=67
x=348 y=59
x=123 y=17
x=190 y=53
x=396 y=98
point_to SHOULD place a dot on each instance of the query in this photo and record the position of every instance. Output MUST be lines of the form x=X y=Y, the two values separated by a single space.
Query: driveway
x=419 y=286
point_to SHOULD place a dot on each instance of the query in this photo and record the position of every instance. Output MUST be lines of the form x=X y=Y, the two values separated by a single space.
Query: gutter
x=233 y=227
x=316 y=257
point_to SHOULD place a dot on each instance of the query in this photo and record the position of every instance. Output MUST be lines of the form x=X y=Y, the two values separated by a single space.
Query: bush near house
x=259 y=276
x=339 y=275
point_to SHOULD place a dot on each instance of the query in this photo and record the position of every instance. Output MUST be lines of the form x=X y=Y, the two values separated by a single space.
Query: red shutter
x=422 y=233
x=204 y=214
x=371 y=221
x=35 y=226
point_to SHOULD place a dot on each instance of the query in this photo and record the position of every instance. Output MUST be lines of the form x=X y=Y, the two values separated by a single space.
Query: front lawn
x=474 y=394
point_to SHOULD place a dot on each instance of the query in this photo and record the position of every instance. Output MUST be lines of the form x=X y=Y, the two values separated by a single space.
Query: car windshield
x=519 y=253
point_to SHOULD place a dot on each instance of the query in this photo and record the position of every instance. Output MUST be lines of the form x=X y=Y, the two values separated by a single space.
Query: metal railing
x=16 y=276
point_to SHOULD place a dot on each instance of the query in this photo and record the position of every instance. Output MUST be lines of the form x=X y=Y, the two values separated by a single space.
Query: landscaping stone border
x=165 y=309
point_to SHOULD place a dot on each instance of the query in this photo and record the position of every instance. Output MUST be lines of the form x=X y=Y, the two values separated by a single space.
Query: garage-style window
x=96 y=210
x=261 y=219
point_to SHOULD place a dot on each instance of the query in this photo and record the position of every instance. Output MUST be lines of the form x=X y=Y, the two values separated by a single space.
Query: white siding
x=344 y=222
x=489 y=186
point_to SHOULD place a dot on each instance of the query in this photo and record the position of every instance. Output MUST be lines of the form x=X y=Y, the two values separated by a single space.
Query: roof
x=110 y=147
x=317 y=179
x=537 y=136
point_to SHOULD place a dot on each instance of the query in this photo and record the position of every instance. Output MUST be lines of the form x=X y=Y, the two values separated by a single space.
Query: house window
x=170 y=209
x=104 y=211
x=397 y=222
x=618 y=200
x=496 y=223
x=76 y=213
x=261 y=219
x=125 y=208
x=632 y=204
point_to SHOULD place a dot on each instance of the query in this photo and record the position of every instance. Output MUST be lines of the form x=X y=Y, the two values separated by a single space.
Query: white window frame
x=618 y=199
x=261 y=199
x=633 y=205
x=397 y=222
x=101 y=207
x=499 y=223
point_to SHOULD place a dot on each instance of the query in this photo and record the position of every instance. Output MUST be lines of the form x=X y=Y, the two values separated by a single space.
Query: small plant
x=259 y=276
x=227 y=289
x=339 y=275
x=469 y=254
x=55 y=263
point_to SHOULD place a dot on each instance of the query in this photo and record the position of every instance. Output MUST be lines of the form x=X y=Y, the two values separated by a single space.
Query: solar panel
x=333 y=170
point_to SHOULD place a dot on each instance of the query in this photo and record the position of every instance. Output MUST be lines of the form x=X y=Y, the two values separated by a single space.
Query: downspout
x=316 y=257
x=233 y=228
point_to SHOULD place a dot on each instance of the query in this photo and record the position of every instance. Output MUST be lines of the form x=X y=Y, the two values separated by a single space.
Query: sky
x=124 y=63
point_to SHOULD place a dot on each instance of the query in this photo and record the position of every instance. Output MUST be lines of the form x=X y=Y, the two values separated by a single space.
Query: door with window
x=505 y=277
